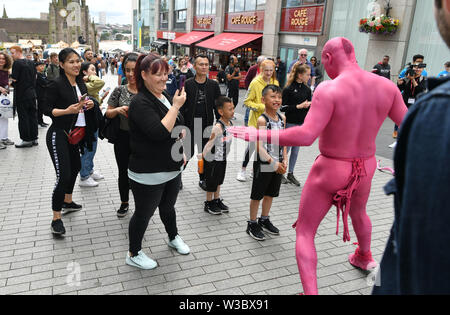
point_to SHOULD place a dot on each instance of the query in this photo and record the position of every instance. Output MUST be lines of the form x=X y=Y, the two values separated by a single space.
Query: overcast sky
x=117 y=11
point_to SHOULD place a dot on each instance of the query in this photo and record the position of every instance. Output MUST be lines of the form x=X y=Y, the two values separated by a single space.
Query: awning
x=158 y=43
x=191 y=38
x=229 y=41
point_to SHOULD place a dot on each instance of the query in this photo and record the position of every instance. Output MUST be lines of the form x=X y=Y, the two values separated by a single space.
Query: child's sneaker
x=267 y=226
x=212 y=208
x=223 y=208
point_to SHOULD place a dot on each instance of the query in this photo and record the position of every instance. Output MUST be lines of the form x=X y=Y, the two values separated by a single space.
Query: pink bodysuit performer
x=347 y=114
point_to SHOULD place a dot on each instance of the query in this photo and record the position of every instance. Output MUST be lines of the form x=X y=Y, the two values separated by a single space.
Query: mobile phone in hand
x=182 y=82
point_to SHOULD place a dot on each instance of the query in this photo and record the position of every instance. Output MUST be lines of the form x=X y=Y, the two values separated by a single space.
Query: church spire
x=5 y=16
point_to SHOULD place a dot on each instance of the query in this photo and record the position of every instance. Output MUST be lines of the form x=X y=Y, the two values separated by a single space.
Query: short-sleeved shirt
x=443 y=74
x=119 y=69
x=233 y=84
x=382 y=70
x=121 y=96
x=24 y=72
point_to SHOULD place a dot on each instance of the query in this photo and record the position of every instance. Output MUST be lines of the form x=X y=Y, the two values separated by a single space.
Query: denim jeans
x=87 y=160
x=294 y=151
x=247 y=116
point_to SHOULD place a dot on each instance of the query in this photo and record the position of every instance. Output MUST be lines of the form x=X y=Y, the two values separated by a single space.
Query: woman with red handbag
x=74 y=122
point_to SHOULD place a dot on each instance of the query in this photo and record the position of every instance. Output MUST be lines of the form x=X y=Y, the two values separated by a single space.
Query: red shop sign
x=303 y=20
x=245 y=22
x=169 y=35
x=204 y=22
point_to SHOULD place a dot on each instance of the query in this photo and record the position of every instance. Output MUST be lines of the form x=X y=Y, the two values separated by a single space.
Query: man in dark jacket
x=199 y=111
x=417 y=257
x=24 y=83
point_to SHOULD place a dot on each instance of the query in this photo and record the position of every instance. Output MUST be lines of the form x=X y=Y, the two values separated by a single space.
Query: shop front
x=242 y=37
x=302 y=22
x=167 y=37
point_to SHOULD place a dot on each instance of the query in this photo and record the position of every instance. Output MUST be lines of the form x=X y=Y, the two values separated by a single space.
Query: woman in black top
x=296 y=102
x=63 y=103
x=118 y=105
x=157 y=158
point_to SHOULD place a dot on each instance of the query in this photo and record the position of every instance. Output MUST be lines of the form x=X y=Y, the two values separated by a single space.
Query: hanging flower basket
x=382 y=25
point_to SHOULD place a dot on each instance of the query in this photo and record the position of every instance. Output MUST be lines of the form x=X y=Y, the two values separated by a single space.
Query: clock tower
x=69 y=21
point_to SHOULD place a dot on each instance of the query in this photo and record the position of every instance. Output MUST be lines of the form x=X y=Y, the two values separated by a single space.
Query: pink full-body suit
x=347 y=114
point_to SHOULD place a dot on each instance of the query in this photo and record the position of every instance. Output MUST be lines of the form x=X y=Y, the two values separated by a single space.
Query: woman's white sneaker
x=141 y=261
x=241 y=176
x=179 y=245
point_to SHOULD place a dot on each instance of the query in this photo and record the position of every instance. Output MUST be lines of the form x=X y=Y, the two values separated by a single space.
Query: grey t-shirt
x=121 y=96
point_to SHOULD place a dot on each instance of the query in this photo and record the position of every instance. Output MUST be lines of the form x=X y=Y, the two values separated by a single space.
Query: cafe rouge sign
x=245 y=21
x=205 y=22
x=303 y=19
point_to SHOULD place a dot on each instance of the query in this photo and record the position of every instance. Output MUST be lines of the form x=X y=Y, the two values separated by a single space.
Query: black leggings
x=147 y=199
x=66 y=160
x=122 y=153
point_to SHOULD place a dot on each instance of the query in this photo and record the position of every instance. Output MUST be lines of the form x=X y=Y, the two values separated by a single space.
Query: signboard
x=308 y=20
x=252 y=22
x=169 y=35
x=204 y=22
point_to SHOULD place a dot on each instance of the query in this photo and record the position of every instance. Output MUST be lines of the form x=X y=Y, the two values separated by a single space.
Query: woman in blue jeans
x=89 y=177
x=296 y=102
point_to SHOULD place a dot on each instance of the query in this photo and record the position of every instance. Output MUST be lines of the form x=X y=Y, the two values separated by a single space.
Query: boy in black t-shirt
x=215 y=156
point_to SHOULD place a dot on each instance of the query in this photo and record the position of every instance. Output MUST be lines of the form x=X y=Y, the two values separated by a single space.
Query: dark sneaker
x=7 y=142
x=293 y=180
x=35 y=143
x=284 y=181
x=255 y=231
x=221 y=206
x=267 y=226
x=70 y=207
x=202 y=184
x=123 y=210
x=58 y=227
x=212 y=208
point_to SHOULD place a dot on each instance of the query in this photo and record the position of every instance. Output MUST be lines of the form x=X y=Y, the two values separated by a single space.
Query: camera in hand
x=411 y=72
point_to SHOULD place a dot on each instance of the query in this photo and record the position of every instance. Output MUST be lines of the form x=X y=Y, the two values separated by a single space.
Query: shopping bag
x=6 y=107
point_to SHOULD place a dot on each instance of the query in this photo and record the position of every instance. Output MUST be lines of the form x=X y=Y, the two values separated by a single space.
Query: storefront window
x=245 y=5
x=298 y=3
x=205 y=7
x=164 y=15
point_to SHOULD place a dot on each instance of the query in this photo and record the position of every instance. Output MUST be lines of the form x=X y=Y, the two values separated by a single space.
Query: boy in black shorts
x=215 y=157
x=269 y=167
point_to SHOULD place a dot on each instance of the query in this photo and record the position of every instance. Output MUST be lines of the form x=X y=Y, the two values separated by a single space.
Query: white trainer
x=179 y=245
x=90 y=182
x=97 y=176
x=241 y=176
x=141 y=261
x=392 y=146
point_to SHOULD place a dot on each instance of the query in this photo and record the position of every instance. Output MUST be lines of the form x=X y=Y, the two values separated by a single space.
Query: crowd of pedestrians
x=158 y=116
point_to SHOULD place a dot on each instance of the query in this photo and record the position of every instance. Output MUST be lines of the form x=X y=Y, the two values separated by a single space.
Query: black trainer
x=293 y=180
x=123 y=210
x=212 y=208
x=267 y=226
x=221 y=206
x=70 y=207
x=58 y=227
x=255 y=231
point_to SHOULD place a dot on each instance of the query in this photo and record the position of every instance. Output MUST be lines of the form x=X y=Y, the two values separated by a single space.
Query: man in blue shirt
x=417 y=257
x=303 y=59
x=446 y=72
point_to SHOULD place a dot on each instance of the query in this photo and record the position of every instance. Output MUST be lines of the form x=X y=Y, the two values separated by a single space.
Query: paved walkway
x=224 y=259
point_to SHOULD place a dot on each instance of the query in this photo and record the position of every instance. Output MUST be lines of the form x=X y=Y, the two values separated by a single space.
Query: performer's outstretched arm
x=318 y=117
